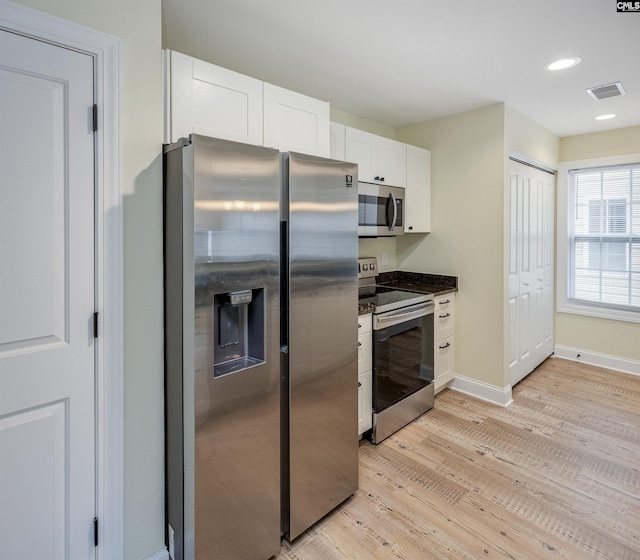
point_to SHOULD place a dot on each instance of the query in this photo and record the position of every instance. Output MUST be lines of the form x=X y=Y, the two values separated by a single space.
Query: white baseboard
x=595 y=359
x=483 y=391
x=162 y=554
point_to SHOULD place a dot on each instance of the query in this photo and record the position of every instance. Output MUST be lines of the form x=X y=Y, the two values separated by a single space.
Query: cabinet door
x=362 y=148
x=295 y=122
x=444 y=361
x=364 y=352
x=337 y=141
x=365 y=391
x=418 y=191
x=213 y=101
x=392 y=162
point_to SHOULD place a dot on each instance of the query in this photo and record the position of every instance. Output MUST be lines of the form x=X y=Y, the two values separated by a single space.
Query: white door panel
x=530 y=269
x=47 y=447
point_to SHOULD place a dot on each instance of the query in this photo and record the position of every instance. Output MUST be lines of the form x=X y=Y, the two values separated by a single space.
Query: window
x=602 y=251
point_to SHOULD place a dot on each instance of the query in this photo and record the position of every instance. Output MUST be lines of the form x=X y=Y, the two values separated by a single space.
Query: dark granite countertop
x=435 y=284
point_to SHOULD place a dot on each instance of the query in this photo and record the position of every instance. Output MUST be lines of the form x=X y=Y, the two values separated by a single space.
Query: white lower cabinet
x=444 y=340
x=365 y=375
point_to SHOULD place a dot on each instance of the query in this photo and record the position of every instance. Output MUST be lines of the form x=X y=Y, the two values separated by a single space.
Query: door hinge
x=95 y=118
x=95 y=325
x=95 y=531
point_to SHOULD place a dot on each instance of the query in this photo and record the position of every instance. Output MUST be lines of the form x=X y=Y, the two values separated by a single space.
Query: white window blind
x=604 y=237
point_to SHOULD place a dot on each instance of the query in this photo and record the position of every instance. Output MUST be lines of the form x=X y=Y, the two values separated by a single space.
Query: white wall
x=603 y=336
x=467 y=186
x=138 y=25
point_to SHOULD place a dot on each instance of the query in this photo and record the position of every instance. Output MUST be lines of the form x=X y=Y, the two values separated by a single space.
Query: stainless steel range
x=402 y=351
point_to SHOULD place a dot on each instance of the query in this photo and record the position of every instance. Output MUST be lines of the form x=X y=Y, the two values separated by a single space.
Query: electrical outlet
x=383 y=260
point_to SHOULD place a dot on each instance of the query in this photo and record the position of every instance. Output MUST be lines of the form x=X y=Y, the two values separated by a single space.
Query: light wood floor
x=555 y=475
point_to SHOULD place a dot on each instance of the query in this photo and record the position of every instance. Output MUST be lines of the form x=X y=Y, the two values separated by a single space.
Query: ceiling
x=402 y=62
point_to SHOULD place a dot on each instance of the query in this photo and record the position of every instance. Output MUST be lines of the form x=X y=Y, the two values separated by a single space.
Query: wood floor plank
x=554 y=476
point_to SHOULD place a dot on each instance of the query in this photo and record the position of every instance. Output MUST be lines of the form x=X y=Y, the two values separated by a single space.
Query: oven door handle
x=395 y=317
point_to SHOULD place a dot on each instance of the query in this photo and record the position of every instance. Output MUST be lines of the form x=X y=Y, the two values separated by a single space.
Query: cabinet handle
x=359 y=384
x=445 y=346
x=376 y=178
x=410 y=227
x=382 y=179
x=359 y=343
x=359 y=326
x=445 y=302
x=445 y=315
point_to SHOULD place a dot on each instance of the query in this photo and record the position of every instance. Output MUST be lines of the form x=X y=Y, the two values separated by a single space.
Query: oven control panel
x=367 y=267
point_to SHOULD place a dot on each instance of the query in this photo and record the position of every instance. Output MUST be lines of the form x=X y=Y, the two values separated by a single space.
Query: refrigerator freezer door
x=323 y=371
x=223 y=350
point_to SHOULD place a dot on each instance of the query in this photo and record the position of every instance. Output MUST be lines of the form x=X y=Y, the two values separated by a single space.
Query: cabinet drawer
x=364 y=352
x=443 y=323
x=364 y=324
x=445 y=301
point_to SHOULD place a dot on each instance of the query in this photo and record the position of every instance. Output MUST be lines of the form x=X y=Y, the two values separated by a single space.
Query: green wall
x=603 y=336
x=467 y=199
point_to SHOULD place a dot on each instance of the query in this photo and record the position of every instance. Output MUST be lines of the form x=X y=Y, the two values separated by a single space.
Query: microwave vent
x=606 y=91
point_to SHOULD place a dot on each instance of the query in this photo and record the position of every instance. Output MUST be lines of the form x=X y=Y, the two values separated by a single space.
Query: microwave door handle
x=392 y=222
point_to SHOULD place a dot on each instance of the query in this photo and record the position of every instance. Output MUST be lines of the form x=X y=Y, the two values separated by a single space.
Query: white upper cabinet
x=380 y=160
x=295 y=122
x=418 y=191
x=337 y=141
x=206 y=99
x=362 y=148
x=392 y=162
x=210 y=100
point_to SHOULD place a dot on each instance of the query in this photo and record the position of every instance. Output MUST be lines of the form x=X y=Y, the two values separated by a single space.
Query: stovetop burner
x=381 y=299
x=387 y=299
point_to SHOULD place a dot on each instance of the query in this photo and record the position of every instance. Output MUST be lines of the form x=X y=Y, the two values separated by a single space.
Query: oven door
x=402 y=354
x=380 y=210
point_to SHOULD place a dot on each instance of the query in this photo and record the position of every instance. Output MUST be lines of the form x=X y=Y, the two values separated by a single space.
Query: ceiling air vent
x=606 y=91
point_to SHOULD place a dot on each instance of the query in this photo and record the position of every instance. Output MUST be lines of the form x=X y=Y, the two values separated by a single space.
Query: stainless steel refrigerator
x=260 y=344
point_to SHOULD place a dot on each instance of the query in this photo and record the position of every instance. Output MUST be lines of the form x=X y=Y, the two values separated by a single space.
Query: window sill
x=600 y=312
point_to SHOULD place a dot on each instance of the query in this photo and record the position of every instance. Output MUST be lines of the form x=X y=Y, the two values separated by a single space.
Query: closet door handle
x=445 y=346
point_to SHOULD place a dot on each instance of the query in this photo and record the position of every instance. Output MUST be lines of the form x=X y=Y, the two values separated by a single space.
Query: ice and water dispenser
x=238 y=330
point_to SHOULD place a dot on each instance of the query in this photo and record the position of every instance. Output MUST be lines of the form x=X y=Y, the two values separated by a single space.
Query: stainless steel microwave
x=380 y=210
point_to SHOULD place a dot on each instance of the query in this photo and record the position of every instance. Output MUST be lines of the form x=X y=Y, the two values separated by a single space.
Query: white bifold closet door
x=530 y=268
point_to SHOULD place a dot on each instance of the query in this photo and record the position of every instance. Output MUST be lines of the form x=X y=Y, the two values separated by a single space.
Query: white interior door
x=530 y=270
x=47 y=441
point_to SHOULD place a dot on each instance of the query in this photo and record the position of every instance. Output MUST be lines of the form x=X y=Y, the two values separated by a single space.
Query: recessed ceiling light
x=563 y=63
x=605 y=117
